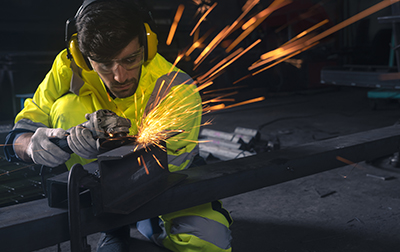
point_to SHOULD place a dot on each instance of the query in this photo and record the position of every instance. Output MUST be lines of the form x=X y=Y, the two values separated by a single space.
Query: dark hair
x=106 y=27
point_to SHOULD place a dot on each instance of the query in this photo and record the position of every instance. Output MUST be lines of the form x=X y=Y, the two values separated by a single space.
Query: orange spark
x=246 y=102
x=238 y=56
x=215 y=107
x=280 y=52
x=222 y=89
x=198 y=42
x=8 y=172
x=213 y=77
x=346 y=161
x=158 y=161
x=203 y=17
x=248 y=3
x=174 y=25
x=243 y=78
x=306 y=42
x=201 y=78
x=302 y=34
x=310 y=12
x=355 y=18
x=144 y=164
x=283 y=59
x=273 y=6
x=218 y=100
x=210 y=47
x=264 y=13
x=178 y=58
x=222 y=35
x=228 y=94
x=203 y=86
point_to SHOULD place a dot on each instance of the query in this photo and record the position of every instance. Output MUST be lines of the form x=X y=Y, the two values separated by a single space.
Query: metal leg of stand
x=78 y=242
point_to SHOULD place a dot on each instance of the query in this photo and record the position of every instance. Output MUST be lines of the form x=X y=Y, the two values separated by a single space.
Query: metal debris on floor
x=242 y=142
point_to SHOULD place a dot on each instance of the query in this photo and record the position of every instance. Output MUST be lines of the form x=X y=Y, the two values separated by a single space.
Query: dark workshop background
x=32 y=33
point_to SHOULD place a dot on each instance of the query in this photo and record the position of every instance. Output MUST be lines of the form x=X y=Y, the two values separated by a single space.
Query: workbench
x=34 y=225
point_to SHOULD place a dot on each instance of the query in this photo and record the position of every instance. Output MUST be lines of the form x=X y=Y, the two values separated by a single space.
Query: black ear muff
x=80 y=60
x=151 y=43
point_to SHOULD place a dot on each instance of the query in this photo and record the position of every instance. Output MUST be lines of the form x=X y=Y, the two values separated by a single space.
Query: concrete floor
x=339 y=210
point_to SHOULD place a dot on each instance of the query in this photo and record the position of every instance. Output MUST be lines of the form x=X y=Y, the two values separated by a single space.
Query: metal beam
x=39 y=226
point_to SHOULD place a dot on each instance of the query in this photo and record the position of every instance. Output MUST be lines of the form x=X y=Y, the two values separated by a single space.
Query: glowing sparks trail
x=225 y=32
x=257 y=21
x=265 y=13
x=8 y=172
x=246 y=102
x=202 y=18
x=223 y=89
x=174 y=25
x=169 y=114
x=198 y=43
x=210 y=47
x=236 y=57
x=204 y=76
x=158 y=161
x=346 y=161
x=203 y=86
x=285 y=58
x=141 y=162
x=229 y=60
x=351 y=20
x=302 y=34
x=305 y=40
x=178 y=58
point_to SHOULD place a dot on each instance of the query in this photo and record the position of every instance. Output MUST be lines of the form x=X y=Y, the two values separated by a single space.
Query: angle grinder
x=107 y=127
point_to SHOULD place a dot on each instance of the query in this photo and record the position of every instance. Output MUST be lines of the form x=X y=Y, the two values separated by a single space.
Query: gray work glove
x=82 y=143
x=42 y=151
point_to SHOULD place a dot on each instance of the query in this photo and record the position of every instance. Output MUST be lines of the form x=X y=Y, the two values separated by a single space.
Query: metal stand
x=126 y=178
x=78 y=178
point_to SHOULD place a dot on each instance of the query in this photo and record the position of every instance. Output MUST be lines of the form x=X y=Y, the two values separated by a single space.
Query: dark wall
x=37 y=26
x=32 y=33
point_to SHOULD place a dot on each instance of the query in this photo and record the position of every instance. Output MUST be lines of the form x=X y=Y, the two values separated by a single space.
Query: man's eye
x=106 y=65
x=131 y=60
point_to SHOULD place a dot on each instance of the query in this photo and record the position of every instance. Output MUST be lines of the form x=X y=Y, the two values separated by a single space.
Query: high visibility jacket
x=67 y=93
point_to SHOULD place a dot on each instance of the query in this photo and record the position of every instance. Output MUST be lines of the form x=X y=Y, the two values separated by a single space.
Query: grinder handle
x=62 y=143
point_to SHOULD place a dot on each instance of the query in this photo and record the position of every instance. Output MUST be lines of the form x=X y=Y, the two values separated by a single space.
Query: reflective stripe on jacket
x=200 y=228
x=66 y=95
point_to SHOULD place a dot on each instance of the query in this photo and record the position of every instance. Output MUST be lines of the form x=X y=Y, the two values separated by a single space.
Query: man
x=118 y=73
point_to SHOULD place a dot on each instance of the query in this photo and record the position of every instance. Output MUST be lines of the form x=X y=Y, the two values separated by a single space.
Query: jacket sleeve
x=36 y=111
x=179 y=108
x=54 y=85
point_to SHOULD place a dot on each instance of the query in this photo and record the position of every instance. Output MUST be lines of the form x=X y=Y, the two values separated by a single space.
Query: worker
x=112 y=63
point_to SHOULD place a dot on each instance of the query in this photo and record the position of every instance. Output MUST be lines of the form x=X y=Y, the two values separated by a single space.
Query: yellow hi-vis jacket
x=67 y=93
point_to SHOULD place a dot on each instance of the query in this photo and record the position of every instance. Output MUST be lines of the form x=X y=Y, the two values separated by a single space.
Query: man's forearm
x=21 y=145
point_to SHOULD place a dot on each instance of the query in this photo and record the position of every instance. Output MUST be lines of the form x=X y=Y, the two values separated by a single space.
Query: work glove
x=82 y=143
x=42 y=151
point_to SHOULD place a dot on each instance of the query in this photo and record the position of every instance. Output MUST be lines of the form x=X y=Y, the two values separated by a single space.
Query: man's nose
x=120 y=73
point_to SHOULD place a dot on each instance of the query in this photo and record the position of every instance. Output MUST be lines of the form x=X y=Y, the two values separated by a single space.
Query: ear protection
x=71 y=39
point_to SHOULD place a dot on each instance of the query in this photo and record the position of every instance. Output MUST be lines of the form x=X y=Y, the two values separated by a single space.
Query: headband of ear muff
x=150 y=42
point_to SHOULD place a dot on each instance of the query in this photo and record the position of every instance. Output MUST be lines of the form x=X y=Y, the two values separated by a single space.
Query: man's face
x=121 y=75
